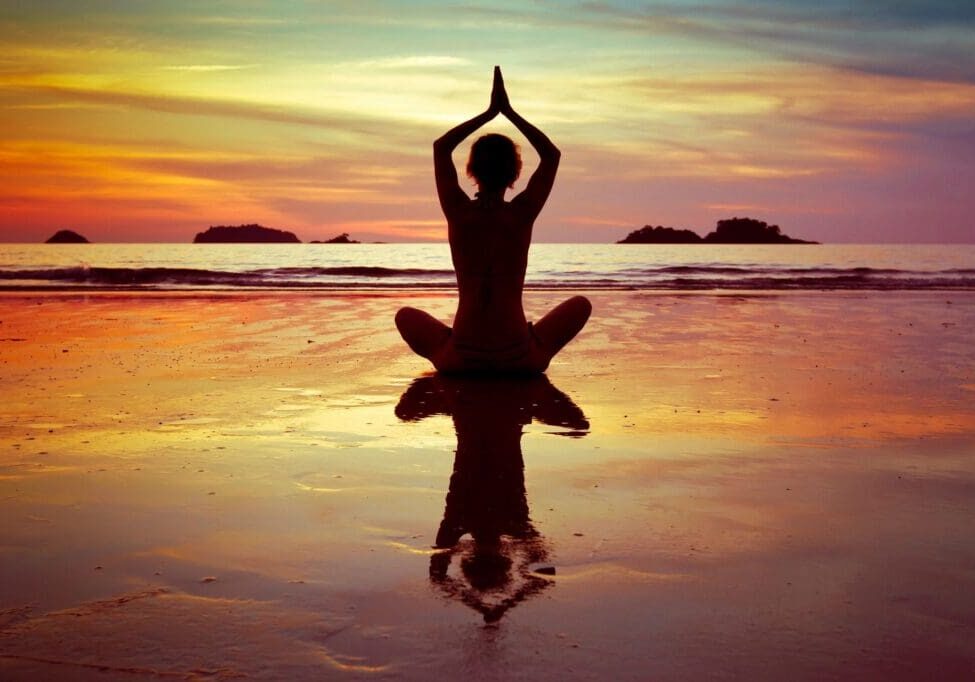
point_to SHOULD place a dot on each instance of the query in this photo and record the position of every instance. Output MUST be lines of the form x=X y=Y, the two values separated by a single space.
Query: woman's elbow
x=441 y=145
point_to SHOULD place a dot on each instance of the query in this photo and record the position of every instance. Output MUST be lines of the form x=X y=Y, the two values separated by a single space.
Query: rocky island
x=729 y=231
x=661 y=235
x=340 y=239
x=245 y=234
x=66 y=237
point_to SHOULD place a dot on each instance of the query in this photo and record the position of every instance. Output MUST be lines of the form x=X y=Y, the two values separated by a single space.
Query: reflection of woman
x=486 y=499
x=489 y=239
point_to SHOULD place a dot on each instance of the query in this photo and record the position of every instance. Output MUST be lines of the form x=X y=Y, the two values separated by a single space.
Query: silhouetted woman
x=489 y=239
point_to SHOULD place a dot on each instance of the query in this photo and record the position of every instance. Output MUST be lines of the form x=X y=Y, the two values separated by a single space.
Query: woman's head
x=495 y=162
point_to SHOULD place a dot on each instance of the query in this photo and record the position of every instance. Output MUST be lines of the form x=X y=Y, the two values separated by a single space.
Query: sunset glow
x=135 y=122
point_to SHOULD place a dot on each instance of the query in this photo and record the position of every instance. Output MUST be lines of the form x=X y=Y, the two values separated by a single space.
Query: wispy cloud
x=413 y=62
x=910 y=39
x=239 y=20
x=346 y=122
x=204 y=68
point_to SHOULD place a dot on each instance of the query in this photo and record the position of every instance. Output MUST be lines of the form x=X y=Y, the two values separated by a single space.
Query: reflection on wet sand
x=499 y=564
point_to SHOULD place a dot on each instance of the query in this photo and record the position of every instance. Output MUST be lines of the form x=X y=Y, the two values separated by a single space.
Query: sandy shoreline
x=769 y=486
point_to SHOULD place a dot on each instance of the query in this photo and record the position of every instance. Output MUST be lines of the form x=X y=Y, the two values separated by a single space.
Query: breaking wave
x=676 y=278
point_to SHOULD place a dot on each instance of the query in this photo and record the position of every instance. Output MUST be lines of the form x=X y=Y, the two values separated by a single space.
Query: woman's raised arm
x=542 y=180
x=448 y=188
x=538 y=139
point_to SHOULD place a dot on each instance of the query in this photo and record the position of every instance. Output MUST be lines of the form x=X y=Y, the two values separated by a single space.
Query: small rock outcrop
x=340 y=239
x=245 y=234
x=66 y=237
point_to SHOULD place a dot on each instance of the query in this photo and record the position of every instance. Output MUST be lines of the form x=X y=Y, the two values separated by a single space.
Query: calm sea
x=427 y=266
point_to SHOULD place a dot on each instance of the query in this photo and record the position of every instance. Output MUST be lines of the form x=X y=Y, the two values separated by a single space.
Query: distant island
x=729 y=231
x=66 y=237
x=661 y=235
x=341 y=239
x=245 y=234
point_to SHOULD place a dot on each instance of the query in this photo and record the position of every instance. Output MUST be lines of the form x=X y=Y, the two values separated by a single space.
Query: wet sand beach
x=705 y=486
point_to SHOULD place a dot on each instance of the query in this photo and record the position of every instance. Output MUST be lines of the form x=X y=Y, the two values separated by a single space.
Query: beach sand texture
x=726 y=487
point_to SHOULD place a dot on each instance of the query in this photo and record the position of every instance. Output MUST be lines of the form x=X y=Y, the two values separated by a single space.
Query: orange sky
x=149 y=122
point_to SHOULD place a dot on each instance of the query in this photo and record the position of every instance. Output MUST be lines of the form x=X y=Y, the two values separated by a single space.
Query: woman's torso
x=489 y=245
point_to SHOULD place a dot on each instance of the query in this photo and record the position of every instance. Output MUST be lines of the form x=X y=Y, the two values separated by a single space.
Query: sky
x=139 y=121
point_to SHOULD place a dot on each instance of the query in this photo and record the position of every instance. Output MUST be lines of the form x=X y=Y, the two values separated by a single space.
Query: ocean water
x=693 y=267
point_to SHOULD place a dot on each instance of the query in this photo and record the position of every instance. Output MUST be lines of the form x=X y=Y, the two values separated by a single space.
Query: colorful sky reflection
x=132 y=121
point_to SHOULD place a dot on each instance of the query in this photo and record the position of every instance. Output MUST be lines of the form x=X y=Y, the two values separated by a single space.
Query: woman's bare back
x=489 y=245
